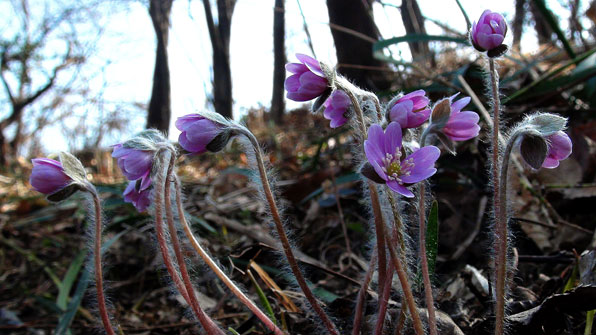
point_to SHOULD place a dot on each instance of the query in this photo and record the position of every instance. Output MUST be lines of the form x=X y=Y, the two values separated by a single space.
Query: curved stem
x=384 y=302
x=361 y=298
x=101 y=300
x=218 y=272
x=204 y=319
x=428 y=289
x=501 y=229
x=403 y=279
x=331 y=328
x=374 y=196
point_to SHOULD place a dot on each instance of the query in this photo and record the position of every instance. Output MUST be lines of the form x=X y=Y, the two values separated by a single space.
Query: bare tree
x=30 y=67
x=518 y=23
x=279 y=61
x=159 y=106
x=220 y=42
x=413 y=21
x=354 y=30
x=543 y=30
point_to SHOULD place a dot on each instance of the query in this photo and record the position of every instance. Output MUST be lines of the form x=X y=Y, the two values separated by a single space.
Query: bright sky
x=129 y=45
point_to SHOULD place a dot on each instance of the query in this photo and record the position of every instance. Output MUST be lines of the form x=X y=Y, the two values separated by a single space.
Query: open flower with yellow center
x=387 y=164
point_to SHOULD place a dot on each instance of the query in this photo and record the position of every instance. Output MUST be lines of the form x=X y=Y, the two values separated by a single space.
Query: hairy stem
x=184 y=286
x=378 y=214
x=361 y=298
x=428 y=289
x=218 y=272
x=331 y=328
x=101 y=300
x=384 y=302
x=501 y=227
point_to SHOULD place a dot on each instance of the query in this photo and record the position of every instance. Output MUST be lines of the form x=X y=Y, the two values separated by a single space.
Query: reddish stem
x=361 y=299
x=204 y=319
x=101 y=300
x=428 y=289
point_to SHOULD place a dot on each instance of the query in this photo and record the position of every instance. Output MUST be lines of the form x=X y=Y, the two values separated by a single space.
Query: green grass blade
x=262 y=298
x=380 y=45
x=552 y=22
x=589 y=322
x=432 y=237
x=69 y=279
x=71 y=309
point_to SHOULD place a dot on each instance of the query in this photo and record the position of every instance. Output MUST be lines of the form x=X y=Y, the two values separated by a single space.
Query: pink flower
x=140 y=199
x=559 y=148
x=489 y=32
x=48 y=176
x=411 y=110
x=384 y=152
x=308 y=80
x=461 y=126
x=197 y=132
x=336 y=107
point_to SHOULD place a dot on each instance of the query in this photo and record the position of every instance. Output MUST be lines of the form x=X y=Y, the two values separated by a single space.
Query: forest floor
x=43 y=246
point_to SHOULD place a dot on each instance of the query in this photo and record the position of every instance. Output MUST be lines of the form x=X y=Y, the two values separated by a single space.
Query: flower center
x=395 y=168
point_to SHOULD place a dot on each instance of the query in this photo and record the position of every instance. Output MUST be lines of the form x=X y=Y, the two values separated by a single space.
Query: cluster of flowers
x=389 y=160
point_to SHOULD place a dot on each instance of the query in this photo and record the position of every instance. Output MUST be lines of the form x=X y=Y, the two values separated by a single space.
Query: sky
x=126 y=49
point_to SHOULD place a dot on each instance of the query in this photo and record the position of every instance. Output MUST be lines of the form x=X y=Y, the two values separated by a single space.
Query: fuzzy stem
x=428 y=289
x=331 y=328
x=501 y=227
x=384 y=302
x=205 y=320
x=185 y=287
x=218 y=272
x=374 y=196
x=361 y=298
x=97 y=262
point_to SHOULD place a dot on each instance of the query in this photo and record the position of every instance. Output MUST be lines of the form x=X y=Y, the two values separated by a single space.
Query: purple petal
x=184 y=121
x=47 y=176
x=460 y=104
x=194 y=147
x=424 y=160
x=292 y=83
x=400 y=112
x=312 y=64
x=296 y=68
x=393 y=137
x=396 y=187
x=373 y=152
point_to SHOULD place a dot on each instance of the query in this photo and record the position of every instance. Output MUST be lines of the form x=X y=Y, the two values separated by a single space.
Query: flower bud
x=308 y=80
x=201 y=134
x=489 y=33
x=336 y=108
x=410 y=110
x=48 y=176
x=139 y=198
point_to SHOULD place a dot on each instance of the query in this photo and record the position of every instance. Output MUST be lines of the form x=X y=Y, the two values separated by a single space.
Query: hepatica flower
x=48 y=176
x=135 y=164
x=307 y=80
x=559 y=148
x=384 y=153
x=489 y=32
x=336 y=107
x=197 y=133
x=411 y=110
x=462 y=125
x=140 y=199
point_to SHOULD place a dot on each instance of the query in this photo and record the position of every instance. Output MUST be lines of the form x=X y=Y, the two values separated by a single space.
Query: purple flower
x=197 y=132
x=559 y=148
x=410 y=111
x=489 y=32
x=461 y=126
x=384 y=152
x=135 y=164
x=48 y=176
x=308 y=80
x=336 y=107
x=140 y=199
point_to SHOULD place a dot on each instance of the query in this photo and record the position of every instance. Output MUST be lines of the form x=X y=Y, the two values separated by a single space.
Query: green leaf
x=66 y=319
x=432 y=237
x=573 y=279
x=589 y=322
x=380 y=45
x=203 y=224
x=69 y=279
x=554 y=24
x=263 y=298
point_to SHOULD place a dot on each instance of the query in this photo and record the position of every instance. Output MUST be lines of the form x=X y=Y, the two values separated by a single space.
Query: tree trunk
x=413 y=21
x=518 y=23
x=354 y=54
x=220 y=41
x=159 y=107
x=279 y=61
x=542 y=28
